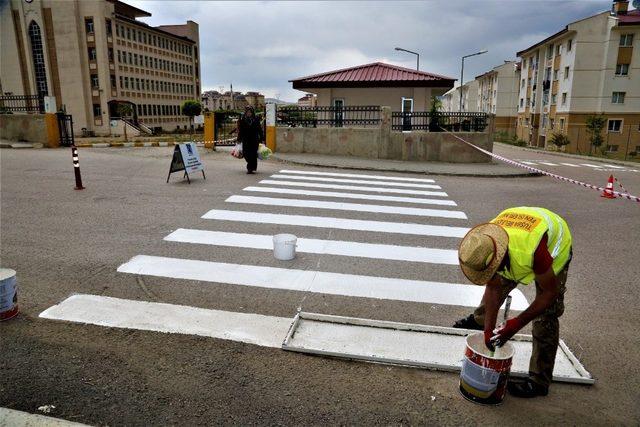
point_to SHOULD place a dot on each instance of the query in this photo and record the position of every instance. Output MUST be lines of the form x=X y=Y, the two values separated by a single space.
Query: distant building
x=589 y=67
x=469 y=91
x=309 y=100
x=498 y=95
x=95 y=55
x=214 y=100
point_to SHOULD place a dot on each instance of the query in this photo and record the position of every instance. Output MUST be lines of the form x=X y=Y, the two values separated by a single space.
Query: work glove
x=505 y=332
x=488 y=334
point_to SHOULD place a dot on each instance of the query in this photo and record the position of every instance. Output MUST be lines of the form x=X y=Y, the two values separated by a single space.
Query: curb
x=19 y=145
x=362 y=168
x=572 y=156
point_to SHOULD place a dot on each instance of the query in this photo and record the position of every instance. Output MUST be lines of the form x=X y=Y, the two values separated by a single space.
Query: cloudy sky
x=261 y=45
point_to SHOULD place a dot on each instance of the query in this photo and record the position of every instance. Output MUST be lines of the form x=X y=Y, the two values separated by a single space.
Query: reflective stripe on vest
x=526 y=226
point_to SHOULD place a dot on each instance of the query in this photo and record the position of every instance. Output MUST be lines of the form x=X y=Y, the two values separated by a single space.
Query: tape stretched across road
x=543 y=172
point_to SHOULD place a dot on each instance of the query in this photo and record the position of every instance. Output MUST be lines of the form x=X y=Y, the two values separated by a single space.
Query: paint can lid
x=6 y=273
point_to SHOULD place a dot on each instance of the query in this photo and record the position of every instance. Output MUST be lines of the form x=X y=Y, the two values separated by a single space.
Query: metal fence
x=436 y=122
x=21 y=104
x=353 y=116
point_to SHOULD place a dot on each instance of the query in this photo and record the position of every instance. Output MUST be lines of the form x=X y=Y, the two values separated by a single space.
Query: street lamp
x=415 y=53
x=462 y=73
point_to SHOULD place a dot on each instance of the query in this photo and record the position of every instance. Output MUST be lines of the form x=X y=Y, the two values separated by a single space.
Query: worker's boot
x=526 y=388
x=468 y=322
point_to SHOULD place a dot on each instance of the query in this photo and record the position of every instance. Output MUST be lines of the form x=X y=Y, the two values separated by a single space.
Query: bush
x=633 y=153
x=559 y=139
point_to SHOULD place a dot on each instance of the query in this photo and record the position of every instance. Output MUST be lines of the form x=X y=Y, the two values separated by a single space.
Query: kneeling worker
x=520 y=245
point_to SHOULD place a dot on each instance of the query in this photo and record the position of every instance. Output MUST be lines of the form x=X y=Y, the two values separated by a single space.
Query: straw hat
x=481 y=252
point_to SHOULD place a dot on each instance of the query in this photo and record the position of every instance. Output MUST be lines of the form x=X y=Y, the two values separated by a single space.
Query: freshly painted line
x=357 y=181
x=250 y=328
x=319 y=204
x=313 y=281
x=353 y=175
x=547 y=163
x=337 y=223
x=340 y=195
x=590 y=165
x=528 y=163
x=318 y=246
x=355 y=188
x=614 y=166
x=570 y=164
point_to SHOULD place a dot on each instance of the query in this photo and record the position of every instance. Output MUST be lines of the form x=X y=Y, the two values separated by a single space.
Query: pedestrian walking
x=520 y=245
x=250 y=135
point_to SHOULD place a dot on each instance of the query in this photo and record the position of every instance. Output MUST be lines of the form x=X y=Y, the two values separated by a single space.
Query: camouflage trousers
x=545 y=330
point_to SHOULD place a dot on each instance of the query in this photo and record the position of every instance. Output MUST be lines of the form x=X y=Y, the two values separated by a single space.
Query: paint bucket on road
x=483 y=378
x=8 y=294
x=284 y=246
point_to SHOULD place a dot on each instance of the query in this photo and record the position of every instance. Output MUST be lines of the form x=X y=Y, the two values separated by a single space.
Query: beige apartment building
x=214 y=100
x=309 y=100
x=498 y=95
x=468 y=92
x=95 y=55
x=592 y=66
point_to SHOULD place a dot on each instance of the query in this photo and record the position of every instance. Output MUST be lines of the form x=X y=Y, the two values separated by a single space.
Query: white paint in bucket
x=8 y=294
x=284 y=246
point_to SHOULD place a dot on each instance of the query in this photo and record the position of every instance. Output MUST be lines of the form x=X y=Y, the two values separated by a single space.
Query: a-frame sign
x=186 y=158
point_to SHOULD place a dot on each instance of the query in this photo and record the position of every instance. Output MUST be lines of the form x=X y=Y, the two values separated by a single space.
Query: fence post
x=385 y=133
x=270 y=122
x=76 y=167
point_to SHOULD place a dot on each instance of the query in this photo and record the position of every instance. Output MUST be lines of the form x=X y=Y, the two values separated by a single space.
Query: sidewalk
x=492 y=170
x=502 y=145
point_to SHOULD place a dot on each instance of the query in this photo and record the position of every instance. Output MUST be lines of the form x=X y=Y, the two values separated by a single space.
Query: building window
x=561 y=124
x=113 y=81
x=88 y=25
x=550 y=51
x=612 y=148
x=521 y=102
x=558 y=49
x=626 y=40
x=622 y=69
x=121 y=85
x=38 y=59
x=92 y=54
x=128 y=33
x=130 y=58
x=95 y=83
x=614 y=125
x=135 y=59
x=566 y=73
x=569 y=45
x=555 y=74
x=564 y=98
x=107 y=24
x=126 y=82
x=617 y=97
x=97 y=111
x=554 y=99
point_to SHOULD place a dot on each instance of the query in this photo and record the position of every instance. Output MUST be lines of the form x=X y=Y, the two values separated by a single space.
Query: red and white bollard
x=76 y=167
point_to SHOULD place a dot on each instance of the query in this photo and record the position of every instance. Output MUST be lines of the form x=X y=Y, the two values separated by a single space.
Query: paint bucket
x=483 y=378
x=8 y=294
x=284 y=246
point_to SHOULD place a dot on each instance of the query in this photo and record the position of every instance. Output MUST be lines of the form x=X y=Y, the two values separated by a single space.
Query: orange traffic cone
x=607 y=193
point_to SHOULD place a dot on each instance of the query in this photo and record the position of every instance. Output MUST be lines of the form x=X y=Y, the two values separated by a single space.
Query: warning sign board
x=186 y=158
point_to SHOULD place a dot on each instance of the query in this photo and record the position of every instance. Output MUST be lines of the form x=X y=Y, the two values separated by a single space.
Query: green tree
x=435 y=115
x=125 y=111
x=594 y=126
x=559 y=139
x=191 y=108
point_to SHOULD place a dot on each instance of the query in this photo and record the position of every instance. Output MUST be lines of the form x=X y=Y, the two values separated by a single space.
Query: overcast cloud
x=261 y=45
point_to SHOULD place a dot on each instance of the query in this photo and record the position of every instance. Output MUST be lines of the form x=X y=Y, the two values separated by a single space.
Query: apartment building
x=498 y=95
x=214 y=100
x=309 y=100
x=96 y=55
x=468 y=92
x=592 y=66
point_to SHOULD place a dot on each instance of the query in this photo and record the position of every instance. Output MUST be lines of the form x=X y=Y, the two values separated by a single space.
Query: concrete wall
x=38 y=128
x=439 y=147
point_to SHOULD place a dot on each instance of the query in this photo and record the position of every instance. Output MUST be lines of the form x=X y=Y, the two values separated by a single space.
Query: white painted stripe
x=590 y=165
x=614 y=166
x=355 y=188
x=356 y=181
x=570 y=164
x=528 y=163
x=351 y=196
x=318 y=246
x=337 y=223
x=357 y=207
x=547 y=163
x=352 y=175
x=314 y=281
x=98 y=310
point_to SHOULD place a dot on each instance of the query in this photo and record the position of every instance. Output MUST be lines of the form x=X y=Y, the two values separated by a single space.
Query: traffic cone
x=607 y=193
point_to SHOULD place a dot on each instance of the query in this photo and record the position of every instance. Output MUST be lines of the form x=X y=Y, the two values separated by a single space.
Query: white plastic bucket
x=284 y=246
x=8 y=294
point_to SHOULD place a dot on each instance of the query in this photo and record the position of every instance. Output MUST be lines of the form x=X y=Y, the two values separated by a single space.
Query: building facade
x=309 y=100
x=94 y=56
x=469 y=93
x=215 y=101
x=591 y=67
x=498 y=95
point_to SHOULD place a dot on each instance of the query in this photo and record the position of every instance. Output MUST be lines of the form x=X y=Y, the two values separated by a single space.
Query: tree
x=191 y=108
x=435 y=115
x=559 y=139
x=594 y=125
x=124 y=111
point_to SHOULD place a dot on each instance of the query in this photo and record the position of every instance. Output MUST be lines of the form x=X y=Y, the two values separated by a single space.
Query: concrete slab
x=13 y=418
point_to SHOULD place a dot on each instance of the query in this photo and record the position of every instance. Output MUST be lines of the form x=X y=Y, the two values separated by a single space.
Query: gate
x=65 y=129
x=225 y=127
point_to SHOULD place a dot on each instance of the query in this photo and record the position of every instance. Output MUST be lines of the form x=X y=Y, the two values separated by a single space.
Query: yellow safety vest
x=526 y=226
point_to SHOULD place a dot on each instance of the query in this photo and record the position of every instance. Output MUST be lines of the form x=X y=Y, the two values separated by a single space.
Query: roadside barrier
x=76 y=167
x=624 y=195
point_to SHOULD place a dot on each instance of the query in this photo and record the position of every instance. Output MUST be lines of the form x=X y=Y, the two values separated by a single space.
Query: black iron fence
x=21 y=104
x=437 y=121
x=352 y=116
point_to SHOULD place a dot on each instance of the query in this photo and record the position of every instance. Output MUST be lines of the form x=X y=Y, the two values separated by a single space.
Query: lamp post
x=462 y=73
x=415 y=53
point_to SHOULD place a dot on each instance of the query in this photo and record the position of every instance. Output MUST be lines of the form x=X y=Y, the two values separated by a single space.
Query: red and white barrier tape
x=624 y=195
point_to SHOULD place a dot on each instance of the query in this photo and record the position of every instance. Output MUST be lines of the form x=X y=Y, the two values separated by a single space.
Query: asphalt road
x=63 y=242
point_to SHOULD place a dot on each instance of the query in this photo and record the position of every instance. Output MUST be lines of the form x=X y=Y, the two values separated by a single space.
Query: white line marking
x=355 y=188
x=337 y=223
x=352 y=175
x=318 y=246
x=570 y=164
x=357 y=207
x=356 y=181
x=590 y=165
x=547 y=163
x=314 y=281
x=528 y=163
x=98 y=310
x=615 y=167
x=351 y=196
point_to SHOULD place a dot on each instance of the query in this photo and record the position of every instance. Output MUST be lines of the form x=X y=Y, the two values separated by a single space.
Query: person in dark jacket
x=250 y=134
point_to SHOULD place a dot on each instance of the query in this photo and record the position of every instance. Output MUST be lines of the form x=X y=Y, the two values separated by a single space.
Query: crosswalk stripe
x=349 y=285
x=355 y=188
x=357 y=207
x=547 y=163
x=570 y=164
x=528 y=163
x=337 y=223
x=100 y=310
x=318 y=246
x=352 y=175
x=358 y=196
x=357 y=181
x=615 y=167
x=590 y=165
